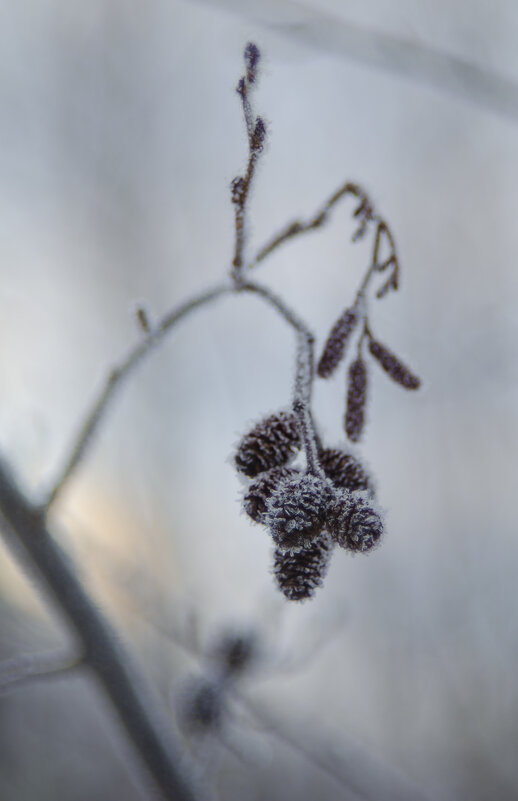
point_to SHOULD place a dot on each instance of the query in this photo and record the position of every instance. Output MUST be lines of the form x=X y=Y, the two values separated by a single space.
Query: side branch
x=30 y=668
x=363 y=212
x=116 y=378
x=140 y=716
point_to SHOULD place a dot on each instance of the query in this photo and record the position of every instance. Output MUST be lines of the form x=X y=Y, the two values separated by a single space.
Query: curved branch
x=116 y=378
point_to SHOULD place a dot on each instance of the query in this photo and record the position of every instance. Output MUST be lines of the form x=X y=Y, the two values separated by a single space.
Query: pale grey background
x=120 y=132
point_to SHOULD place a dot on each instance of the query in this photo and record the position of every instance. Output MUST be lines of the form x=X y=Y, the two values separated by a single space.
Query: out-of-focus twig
x=25 y=669
x=416 y=61
x=142 y=718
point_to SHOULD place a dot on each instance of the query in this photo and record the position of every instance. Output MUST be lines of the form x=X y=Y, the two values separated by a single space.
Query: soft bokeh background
x=120 y=132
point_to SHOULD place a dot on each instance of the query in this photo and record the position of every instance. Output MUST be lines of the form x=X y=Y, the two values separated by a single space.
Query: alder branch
x=363 y=211
x=139 y=714
x=304 y=372
x=117 y=377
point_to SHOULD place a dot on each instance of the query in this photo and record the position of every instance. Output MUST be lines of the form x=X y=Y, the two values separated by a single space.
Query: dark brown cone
x=344 y=470
x=299 y=574
x=356 y=398
x=334 y=348
x=393 y=367
x=271 y=443
x=254 y=502
x=297 y=511
x=355 y=523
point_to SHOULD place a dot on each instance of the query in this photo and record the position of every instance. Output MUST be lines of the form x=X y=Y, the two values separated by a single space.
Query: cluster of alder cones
x=307 y=513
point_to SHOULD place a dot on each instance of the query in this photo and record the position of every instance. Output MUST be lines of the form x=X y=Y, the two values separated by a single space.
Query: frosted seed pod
x=297 y=510
x=255 y=500
x=344 y=470
x=299 y=574
x=270 y=443
x=354 y=522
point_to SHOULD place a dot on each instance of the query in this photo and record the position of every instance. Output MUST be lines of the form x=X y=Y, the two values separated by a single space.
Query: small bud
x=334 y=349
x=271 y=443
x=251 y=56
x=241 y=88
x=234 y=652
x=202 y=706
x=258 y=135
x=354 y=523
x=237 y=188
x=255 y=500
x=356 y=399
x=297 y=510
x=299 y=574
x=143 y=320
x=344 y=470
x=393 y=367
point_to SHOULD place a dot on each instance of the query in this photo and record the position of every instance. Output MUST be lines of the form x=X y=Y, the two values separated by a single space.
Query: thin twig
x=116 y=378
x=141 y=716
x=29 y=668
x=256 y=131
x=350 y=765
x=293 y=229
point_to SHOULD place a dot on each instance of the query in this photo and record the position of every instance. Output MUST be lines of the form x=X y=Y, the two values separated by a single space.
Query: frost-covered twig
x=117 y=377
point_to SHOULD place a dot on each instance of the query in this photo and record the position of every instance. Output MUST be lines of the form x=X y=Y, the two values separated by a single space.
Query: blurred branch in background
x=416 y=61
x=26 y=668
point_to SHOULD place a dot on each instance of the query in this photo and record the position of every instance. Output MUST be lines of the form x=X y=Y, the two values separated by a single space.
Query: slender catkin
x=334 y=348
x=271 y=443
x=356 y=399
x=344 y=470
x=299 y=574
x=397 y=371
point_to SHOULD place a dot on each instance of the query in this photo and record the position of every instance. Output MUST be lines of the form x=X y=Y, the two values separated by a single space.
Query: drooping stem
x=304 y=372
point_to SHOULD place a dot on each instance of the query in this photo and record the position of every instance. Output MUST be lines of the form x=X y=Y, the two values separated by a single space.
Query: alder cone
x=256 y=498
x=355 y=524
x=344 y=470
x=334 y=348
x=356 y=399
x=297 y=511
x=271 y=443
x=299 y=574
x=397 y=371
